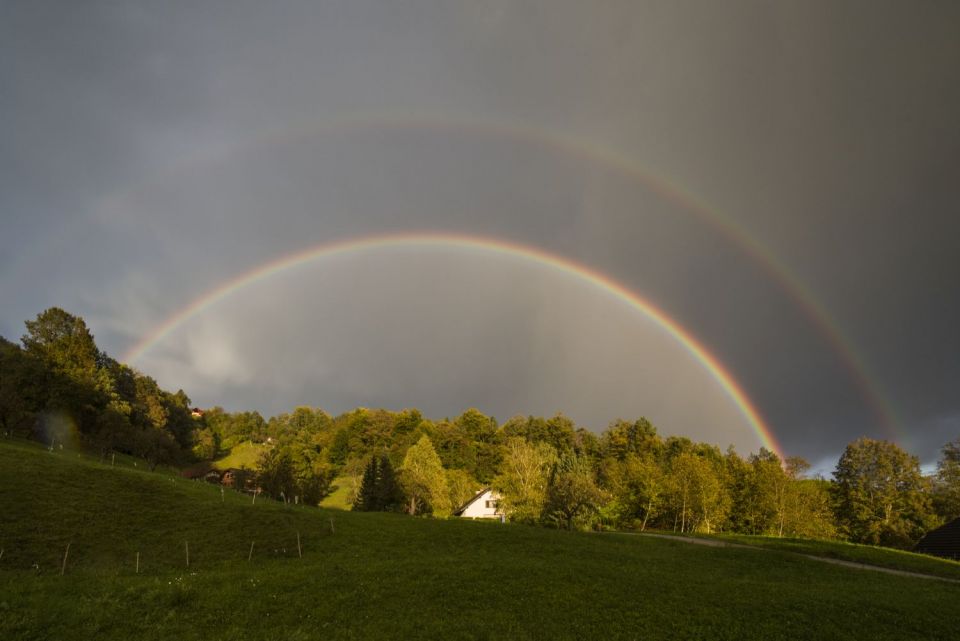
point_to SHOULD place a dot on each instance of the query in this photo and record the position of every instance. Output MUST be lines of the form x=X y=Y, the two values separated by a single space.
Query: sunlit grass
x=392 y=576
x=340 y=498
x=245 y=454
x=871 y=555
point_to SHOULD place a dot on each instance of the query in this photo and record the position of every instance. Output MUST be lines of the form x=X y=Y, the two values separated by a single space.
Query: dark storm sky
x=151 y=151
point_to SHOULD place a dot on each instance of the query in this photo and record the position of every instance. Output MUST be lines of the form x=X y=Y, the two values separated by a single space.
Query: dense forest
x=57 y=387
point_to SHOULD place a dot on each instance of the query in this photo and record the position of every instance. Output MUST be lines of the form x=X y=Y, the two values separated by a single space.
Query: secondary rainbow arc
x=494 y=246
x=605 y=156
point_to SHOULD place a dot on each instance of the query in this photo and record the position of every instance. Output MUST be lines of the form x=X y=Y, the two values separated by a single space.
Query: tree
x=479 y=434
x=314 y=480
x=423 y=479
x=275 y=475
x=623 y=438
x=572 y=492
x=637 y=485
x=73 y=381
x=812 y=514
x=206 y=444
x=699 y=499
x=22 y=393
x=389 y=494
x=156 y=446
x=946 y=495
x=461 y=487
x=881 y=497
x=366 y=499
x=768 y=490
x=64 y=341
x=523 y=481
x=379 y=490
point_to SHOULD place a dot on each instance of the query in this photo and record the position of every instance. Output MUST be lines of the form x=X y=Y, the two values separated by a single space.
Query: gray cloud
x=150 y=152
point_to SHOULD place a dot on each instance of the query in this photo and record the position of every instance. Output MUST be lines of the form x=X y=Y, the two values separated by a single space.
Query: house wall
x=479 y=510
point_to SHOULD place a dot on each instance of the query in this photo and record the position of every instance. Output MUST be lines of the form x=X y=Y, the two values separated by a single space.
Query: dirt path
x=715 y=543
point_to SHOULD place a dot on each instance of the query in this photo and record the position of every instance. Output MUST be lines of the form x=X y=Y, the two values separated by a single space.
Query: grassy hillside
x=390 y=576
x=245 y=454
x=339 y=498
x=871 y=555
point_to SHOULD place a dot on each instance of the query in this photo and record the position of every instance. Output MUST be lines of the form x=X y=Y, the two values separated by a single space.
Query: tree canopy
x=58 y=387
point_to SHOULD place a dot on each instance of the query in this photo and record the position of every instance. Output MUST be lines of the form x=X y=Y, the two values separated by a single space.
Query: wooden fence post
x=63 y=568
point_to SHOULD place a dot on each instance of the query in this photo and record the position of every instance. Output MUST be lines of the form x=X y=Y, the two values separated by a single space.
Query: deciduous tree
x=947 y=482
x=423 y=479
x=881 y=497
x=523 y=481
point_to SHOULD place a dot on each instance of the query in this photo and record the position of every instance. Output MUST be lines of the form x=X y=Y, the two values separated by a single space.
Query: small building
x=484 y=505
x=196 y=472
x=944 y=541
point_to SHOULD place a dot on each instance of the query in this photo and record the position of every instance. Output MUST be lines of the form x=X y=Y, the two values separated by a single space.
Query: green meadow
x=390 y=576
x=245 y=454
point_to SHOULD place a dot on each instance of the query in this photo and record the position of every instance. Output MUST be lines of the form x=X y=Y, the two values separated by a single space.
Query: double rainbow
x=589 y=151
x=485 y=245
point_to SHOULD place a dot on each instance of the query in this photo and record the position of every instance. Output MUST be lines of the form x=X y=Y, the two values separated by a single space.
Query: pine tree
x=366 y=495
x=379 y=490
x=389 y=496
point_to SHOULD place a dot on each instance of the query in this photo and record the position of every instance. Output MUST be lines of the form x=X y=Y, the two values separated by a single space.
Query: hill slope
x=390 y=576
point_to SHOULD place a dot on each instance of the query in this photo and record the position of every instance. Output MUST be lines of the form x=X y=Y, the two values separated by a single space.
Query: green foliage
x=22 y=392
x=573 y=497
x=696 y=494
x=423 y=480
x=364 y=580
x=637 y=486
x=379 y=489
x=246 y=454
x=812 y=510
x=623 y=438
x=881 y=497
x=946 y=491
x=59 y=388
x=64 y=342
x=275 y=475
x=523 y=482
x=461 y=487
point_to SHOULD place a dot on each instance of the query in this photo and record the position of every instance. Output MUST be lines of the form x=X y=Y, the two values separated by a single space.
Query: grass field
x=339 y=499
x=871 y=555
x=392 y=576
x=245 y=454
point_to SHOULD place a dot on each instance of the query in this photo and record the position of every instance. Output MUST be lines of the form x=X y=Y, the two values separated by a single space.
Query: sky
x=780 y=180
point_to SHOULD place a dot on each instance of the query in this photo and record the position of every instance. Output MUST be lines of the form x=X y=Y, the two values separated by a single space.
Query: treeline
x=58 y=384
x=548 y=471
x=58 y=387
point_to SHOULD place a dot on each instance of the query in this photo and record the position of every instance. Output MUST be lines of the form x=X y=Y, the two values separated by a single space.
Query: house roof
x=475 y=498
x=944 y=541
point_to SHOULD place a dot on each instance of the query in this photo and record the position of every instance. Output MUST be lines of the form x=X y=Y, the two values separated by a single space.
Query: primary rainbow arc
x=491 y=246
x=608 y=157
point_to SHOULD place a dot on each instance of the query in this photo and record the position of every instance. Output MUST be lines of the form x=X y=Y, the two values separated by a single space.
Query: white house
x=484 y=505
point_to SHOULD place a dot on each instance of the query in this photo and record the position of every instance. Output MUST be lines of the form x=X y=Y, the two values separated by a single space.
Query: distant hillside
x=374 y=575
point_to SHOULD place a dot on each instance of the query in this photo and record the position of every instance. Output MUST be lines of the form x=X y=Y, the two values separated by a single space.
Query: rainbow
x=493 y=246
x=578 y=147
